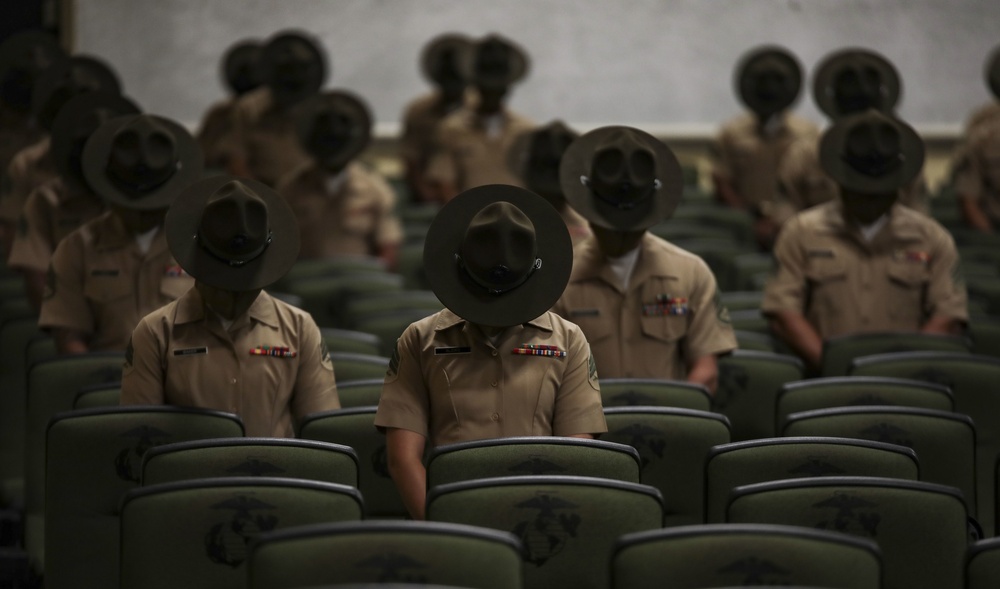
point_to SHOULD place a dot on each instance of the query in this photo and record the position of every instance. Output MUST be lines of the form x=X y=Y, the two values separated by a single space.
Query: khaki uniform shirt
x=179 y=355
x=216 y=135
x=579 y=228
x=468 y=156
x=53 y=211
x=355 y=219
x=449 y=383
x=17 y=131
x=101 y=284
x=421 y=120
x=803 y=184
x=28 y=169
x=977 y=176
x=265 y=137
x=843 y=284
x=669 y=316
x=749 y=160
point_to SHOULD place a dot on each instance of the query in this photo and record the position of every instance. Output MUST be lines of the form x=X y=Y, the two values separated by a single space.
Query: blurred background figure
x=441 y=63
x=240 y=74
x=342 y=208
x=751 y=147
x=115 y=269
x=293 y=68
x=976 y=168
x=60 y=205
x=24 y=57
x=535 y=157
x=32 y=166
x=472 y=143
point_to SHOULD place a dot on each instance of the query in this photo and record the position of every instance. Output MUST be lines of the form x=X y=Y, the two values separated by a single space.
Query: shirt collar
x=447 y=319
x=590 y=263
x=899 y=224
x=110 y=233
x=191 y=308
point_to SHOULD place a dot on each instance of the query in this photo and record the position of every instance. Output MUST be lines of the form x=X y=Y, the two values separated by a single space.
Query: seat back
x=839 y=352
x=331 y=266
x=772 y=459
x=348 y=367
x=845 y=391
x=982 y=568
x=481 y=459
x=386 y=551
x=734 y=555
x=648 y=392
x=390 y=325
x=52 y=387
x=672 y=445
x=19 y=325
x=944 y=442
x=94 y=457
x=920 y=527
x=339 y=341
x=251 y=457
x=107 y=394
x=749 y=382
x=362 y=309
x=360 y=393
x=197 y=534
x=355 y=427
x=567 y=524
x=325 y=297
x=972 y=380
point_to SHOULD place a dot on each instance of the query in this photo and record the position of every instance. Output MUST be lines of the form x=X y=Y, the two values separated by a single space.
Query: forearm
x=726 y=193
x=943 y=325
x=704 y=371
x=974 y=215
x=69 y=341
x=34 y=287
x=793 y=329
x=404 y=451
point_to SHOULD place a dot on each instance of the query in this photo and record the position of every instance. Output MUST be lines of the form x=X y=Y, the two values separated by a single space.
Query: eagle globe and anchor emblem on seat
x=546 y=535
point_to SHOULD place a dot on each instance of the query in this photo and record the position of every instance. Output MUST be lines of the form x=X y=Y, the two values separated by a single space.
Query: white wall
x=664 y=64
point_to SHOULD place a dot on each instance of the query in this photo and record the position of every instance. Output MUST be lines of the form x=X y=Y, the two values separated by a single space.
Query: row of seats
x=186 y=526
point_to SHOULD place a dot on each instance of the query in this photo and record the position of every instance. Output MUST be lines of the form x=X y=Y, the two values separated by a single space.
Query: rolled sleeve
x=404 y=402
x=578 y=408
x=64 y=304
x=786 y=288
x=946 y=294
x=710 y=332
x=143 y=374
x=315 y=384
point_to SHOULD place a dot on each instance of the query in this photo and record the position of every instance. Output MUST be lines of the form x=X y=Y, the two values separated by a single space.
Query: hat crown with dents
x=334 y=127
x=498 y=251
x=495 y=62
x=67 y=79
x=871 y=153
x=853 y=80
x=241 y=67
x=441 y=59
x=293 y=66
x=622 y=171
x=621 y=178
x=543 y=154
x=768 y=80
x=234 y=225
x=143 y=156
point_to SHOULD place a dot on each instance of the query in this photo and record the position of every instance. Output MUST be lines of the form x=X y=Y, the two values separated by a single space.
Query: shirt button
x=494 y=383
x=495 y=352
x=232 y=381
x=495 y=417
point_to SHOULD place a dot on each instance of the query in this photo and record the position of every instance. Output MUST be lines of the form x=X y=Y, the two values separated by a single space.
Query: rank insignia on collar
x=276 y=351
x=174 y=271
x=539 y=350
x=665 y=305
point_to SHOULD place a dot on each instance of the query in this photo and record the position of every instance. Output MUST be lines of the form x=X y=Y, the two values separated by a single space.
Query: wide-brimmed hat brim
x=520 y=63
x=754 y=57
x=98 y=151
x=992 y=72
x=831 y=64
x=53 y=76
x=184 y=217
x=576 y=162
x=309 y=109
x=268 y=55
x=831 y=149
x=520 y=148
x=469 y=300
x=61 y=149
x=439 y=46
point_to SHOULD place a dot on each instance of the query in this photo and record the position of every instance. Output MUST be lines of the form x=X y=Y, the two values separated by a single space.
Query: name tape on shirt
x=452 y=350
x=584 y=312
x=191 y=351
x=539 y=350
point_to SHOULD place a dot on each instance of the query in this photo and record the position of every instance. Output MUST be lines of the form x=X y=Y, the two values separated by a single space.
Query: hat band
x=874 y=166
x=232 y=262
x=622 y=205
x=491 y=288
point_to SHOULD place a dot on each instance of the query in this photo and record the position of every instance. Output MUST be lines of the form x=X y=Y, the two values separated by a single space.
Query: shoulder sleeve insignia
x=721 y=312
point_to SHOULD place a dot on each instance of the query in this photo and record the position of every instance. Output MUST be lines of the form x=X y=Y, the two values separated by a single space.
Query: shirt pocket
x=107 y=286
x=828 y=285
x=907 y=283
